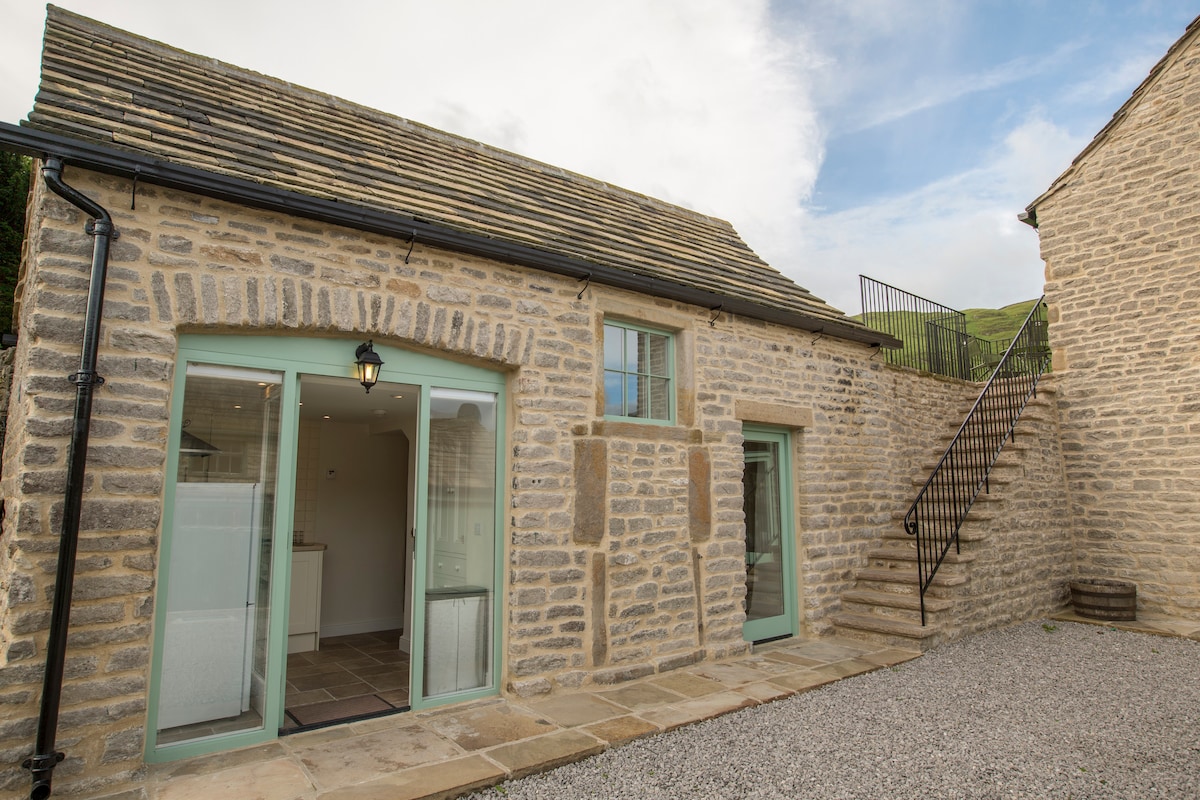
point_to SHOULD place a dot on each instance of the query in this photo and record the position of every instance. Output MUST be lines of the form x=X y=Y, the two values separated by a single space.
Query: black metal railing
x=935 y=336
x=942 y=504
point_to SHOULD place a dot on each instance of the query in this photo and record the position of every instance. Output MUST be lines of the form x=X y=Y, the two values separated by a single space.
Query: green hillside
x=997 y=323
x=993 y=324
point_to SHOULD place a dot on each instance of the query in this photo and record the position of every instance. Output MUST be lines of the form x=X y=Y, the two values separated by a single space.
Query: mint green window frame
x=328 y=357
x=639 y=373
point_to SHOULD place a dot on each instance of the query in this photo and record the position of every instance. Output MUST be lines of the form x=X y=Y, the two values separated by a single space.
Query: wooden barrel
x=1103 y=599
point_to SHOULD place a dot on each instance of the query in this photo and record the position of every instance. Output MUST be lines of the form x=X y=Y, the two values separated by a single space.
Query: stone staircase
x=884 y=605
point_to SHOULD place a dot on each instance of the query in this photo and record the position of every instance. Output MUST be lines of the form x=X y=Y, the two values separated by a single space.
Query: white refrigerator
x=216 y=544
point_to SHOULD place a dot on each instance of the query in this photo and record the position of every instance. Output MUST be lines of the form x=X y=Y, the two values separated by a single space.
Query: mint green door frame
x=417 y=700
x=333 y=358
x=787 y=622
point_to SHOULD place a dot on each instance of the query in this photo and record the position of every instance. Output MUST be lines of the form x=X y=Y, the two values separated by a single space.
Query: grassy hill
x=997 y=323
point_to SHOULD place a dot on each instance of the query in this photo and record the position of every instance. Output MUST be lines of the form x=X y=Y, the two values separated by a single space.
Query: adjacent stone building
x=1120 y=235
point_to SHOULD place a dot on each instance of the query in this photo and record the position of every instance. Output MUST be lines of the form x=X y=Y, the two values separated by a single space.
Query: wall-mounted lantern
x=367 y=362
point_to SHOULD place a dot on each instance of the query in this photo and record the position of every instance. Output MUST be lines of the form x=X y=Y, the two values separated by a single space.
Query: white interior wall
x=360 y=512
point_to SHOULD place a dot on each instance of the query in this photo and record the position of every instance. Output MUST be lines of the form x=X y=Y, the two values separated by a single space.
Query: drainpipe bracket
x=41 y=763
x=96 y=227
x=85 y=379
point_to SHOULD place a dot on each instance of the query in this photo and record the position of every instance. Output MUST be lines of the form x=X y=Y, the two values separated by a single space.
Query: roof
x=106 y=86
x=1173 y=52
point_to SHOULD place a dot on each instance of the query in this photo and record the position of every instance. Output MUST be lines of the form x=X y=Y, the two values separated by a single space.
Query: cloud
x=942 y=88
x=956 y=241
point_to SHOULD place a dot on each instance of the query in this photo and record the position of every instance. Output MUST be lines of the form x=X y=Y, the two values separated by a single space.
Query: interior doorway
x=352 y=554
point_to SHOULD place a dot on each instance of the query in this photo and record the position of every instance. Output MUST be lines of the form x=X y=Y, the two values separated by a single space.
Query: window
x=638 y=368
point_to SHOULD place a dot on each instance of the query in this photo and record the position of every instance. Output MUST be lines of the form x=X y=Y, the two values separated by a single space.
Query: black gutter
x=45 y=758
x=127 y=164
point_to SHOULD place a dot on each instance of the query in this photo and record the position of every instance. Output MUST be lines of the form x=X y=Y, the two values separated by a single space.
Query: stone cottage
x=1120 y=235
x=355 y=381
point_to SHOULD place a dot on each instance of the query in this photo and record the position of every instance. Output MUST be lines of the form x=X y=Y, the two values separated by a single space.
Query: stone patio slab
x=622 y=729
x=803 y=681
x=444 y=779
x=764 y=691
x=847 y=668
x=733 y=673
x=772 y=666
x=890 y=657
x=571 y=710
x=636 y=696
x=792 y=658
x=826 y=651
x=545 y=752
x=362 y=758
x=688 y=684
x=481 y=728
x=278 y=779
x=217 y=762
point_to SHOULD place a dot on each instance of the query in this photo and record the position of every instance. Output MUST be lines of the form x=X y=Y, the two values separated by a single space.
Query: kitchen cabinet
x=304 y=610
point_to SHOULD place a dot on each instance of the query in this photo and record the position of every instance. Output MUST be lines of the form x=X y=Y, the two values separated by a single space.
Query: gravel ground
x=1039 y=710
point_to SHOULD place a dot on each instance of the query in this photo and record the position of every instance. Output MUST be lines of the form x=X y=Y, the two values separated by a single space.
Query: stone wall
x=624 y=544
x=1121 y=240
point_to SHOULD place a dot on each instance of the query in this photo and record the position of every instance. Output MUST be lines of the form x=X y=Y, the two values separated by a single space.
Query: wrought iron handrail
x=937 y=514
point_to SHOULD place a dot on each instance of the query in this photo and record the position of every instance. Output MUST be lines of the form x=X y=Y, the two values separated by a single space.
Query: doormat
x=338 y=710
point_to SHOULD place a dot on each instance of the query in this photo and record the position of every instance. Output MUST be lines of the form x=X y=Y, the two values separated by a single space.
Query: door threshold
x=328 y=723
x=770 y=639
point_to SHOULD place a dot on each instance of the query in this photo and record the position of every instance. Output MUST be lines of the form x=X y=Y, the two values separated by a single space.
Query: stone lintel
x=774 y=414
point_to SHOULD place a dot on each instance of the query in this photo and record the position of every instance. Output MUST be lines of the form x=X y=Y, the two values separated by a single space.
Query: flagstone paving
x=457 y=749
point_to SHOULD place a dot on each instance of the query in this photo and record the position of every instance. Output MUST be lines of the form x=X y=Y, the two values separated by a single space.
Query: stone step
x=908 y=554
x=908 y=602
x=969 y=532
x=1035 y=404
x=1003 y=471
x=908 y=575
x=982 y=510
x=971 y=445
x=900 y=629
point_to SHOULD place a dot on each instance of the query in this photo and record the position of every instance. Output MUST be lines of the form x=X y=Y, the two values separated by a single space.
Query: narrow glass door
x=460 y=544
x=218 y=577
x=770 y=570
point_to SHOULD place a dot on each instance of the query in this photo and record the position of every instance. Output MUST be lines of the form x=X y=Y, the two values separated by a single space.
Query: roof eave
x=90 y=155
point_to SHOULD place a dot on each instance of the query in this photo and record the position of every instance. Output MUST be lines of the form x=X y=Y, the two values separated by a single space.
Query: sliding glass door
x=214 y=649
x=222 y=611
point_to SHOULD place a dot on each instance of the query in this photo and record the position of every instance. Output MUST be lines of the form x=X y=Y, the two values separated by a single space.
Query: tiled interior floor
x=363 y=665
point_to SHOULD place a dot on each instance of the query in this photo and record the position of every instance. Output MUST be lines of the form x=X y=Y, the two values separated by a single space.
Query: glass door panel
x=218 y=577
x=770 y=587
x=460 y=546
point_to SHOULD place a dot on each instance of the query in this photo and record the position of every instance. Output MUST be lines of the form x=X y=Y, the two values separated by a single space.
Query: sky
x=896 y=139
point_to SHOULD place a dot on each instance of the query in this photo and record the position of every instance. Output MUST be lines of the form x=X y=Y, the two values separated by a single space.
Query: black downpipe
x=45 y=758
